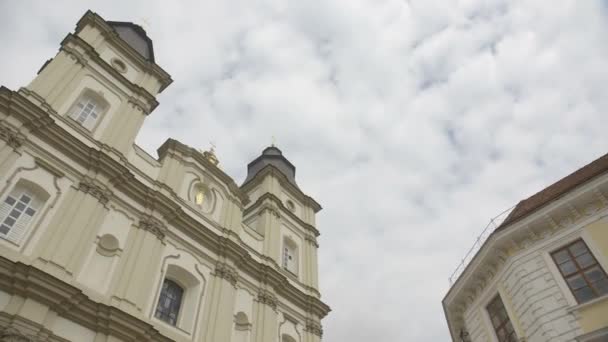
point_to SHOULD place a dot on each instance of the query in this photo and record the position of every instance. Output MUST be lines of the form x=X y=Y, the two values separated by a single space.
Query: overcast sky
x=411 y=122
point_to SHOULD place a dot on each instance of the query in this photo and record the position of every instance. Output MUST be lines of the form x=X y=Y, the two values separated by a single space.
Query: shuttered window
x=16 y=212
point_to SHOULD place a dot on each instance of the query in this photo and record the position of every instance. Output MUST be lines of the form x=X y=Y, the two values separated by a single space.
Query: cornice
x=314 y=327
x=285 y=184
x=93 y=19
x=100 y=163
x=91 y=53
x=261 y=204
x=71 y=303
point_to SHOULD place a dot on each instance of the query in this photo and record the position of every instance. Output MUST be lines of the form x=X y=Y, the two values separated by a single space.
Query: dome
x=272 y=155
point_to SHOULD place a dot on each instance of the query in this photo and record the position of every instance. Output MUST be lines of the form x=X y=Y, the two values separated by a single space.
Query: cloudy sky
x=411 y=122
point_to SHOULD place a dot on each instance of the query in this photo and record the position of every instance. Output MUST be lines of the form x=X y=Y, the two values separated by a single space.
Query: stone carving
x=12 y=137
x=314 y=327
x=94 y=190
x=154 y=226
x=268 y=298
x=224 y=271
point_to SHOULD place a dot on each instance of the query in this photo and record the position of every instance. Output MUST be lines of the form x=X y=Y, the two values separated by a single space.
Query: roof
x=557 y=189
x=135 y=36
x=272 y=156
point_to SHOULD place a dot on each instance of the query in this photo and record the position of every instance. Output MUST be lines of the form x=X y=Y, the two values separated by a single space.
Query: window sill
x=171 y=327
x=585 y=305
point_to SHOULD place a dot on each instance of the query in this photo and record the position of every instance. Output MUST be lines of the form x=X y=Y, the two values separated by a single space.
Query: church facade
x=101 y=242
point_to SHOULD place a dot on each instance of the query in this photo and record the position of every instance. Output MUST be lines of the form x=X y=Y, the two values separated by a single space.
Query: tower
x=102 y=83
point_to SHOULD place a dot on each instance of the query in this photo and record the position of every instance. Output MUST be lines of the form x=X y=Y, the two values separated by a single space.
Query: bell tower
x=283 y=215
x=102 y=83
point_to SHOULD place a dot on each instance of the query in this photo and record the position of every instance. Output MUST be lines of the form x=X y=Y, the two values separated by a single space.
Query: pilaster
x=221 y=303
x=72 y=230
x=10 y=143
x=138 y=265
x=266 y=322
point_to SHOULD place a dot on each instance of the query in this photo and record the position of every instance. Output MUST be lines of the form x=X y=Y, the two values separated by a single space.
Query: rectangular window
x=86 y=111
x=500 y=321
x=581 y=271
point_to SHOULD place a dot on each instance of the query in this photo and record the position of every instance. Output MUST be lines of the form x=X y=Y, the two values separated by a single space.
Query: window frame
x=180 y=307
x=503 y=324
x=88 y=94
x=290 y=245
x=580 y=271
x=38 y=202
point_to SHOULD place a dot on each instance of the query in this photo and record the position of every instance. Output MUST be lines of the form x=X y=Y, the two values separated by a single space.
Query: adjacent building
x=101 y=242
x=541 y=275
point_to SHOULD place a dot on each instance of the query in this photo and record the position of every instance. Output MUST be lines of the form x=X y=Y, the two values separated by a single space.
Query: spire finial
x=274 y=141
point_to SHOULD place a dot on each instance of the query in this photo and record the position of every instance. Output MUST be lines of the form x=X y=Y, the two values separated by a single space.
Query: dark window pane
x=568 y=267
x=594 y=274
x=9 y=221
x=4 y=229
x=30 y=211
x=25 y=199
x=10 y=200
x=601 y=286
x=20 y=206
x=561 y=256
x=578 y=248
x=576 y=282
x=585 y=260
x=15 y=214
x=584 y=294
x=169 y=302
x=496 y=321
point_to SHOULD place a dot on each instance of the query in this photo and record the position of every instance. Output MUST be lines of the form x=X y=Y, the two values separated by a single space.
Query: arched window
x=88 y=109
x=290 y=256
x=169 y=302
x=18 y=209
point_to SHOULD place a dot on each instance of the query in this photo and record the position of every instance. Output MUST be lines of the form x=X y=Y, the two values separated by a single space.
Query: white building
x=99 y=241
x=541 y=275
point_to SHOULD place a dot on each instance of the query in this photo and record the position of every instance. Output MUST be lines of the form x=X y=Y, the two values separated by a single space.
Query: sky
x=411 y=122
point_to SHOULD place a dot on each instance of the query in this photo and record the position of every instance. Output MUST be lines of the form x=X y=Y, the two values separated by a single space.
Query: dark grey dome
x=135 y=36
x=272 y=156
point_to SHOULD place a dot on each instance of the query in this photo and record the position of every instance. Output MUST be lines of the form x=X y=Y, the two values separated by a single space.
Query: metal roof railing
x=494 y=223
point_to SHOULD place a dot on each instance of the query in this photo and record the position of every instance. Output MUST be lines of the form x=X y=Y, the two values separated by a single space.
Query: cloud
x=411 y=122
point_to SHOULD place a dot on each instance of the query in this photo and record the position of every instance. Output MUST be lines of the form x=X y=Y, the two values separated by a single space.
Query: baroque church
x=101 y=242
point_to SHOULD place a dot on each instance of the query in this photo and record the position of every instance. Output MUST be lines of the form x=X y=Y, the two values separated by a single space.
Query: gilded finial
x=210 y=154
x=274 y=141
